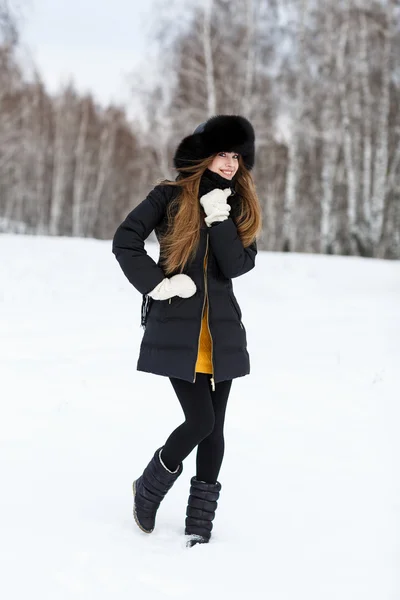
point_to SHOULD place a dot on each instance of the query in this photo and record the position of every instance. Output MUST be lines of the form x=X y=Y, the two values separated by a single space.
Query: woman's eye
x=236 y=157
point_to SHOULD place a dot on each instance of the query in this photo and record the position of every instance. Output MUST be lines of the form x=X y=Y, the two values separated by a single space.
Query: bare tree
x=341 y=64
x=320 y=81
x=382 y=140
x=208 y=59
x=294 y=155
x=65 y=127
x=8 y=25
x=329 y=136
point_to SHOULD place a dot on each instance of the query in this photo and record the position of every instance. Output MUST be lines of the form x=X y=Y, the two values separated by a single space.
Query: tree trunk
x=382 y=141
x=294 y=158
x=208 y=59
x=347 y=139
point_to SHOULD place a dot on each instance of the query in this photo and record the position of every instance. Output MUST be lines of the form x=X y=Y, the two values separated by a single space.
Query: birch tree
x=294 y=157
x=83 y=169
x=208 y=59
x=382 y=140
x=8 y=25
x=341 y=63
x=330 y=138
x=367 y=120
x=320 y=81
x=65 y=126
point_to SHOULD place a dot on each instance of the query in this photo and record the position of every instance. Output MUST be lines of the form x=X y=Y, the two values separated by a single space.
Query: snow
x=309 y=507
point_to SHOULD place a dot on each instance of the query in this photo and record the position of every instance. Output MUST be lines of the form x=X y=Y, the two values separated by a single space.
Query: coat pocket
x=170 y=309
x=236 y=306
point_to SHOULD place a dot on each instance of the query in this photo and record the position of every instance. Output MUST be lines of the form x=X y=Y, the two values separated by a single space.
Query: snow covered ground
x=309 y=507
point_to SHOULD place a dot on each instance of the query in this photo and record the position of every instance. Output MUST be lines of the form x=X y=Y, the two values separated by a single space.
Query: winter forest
x=319 y=79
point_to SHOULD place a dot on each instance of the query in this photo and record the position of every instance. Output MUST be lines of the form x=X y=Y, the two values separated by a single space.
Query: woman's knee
x=204 y=425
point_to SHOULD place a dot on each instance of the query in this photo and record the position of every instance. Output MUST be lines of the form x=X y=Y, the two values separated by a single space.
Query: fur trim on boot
x=221 y=133
x=200 y=511
x=150 y=489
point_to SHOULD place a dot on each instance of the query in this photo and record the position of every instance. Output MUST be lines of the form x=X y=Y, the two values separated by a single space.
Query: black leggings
x=205 y=415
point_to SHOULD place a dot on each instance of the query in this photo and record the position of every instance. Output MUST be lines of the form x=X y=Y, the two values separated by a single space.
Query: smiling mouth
x=227 y=172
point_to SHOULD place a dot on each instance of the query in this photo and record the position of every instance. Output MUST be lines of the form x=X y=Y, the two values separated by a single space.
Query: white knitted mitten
x=215 y=205
x=178 y=285
x=211 y=200
x=219 y=214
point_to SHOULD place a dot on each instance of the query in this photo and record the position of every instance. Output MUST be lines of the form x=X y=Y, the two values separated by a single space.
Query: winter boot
x=150 y=489
x=200 y=511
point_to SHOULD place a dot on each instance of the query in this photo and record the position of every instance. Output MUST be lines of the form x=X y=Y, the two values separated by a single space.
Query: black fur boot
x=150 y=489
x=200 y=512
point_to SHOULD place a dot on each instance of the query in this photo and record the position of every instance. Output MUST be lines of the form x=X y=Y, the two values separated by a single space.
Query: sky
x=97 y=43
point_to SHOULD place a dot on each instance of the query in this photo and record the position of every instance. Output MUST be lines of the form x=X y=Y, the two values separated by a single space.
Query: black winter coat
x=171 y=338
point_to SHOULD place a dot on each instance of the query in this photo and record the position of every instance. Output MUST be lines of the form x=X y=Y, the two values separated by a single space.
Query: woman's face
x=225 y=164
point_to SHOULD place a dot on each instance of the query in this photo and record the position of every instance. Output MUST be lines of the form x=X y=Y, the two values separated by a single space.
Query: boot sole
x=134 y=511
x=192 y=540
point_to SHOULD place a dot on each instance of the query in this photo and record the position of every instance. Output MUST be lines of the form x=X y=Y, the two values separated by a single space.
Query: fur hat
x=221 y=133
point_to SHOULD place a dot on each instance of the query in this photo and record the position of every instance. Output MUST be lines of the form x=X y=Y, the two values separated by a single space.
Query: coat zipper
x=201 y=321
x=208 y=325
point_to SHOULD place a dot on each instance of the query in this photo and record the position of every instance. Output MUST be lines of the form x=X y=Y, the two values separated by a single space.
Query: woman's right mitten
x=221 y=213
x=211 y=200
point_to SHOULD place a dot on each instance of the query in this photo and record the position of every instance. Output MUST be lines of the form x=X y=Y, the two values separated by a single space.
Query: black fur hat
x=221 y=133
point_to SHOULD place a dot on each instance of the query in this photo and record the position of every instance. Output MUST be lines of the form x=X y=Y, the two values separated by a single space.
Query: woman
x=206 y=222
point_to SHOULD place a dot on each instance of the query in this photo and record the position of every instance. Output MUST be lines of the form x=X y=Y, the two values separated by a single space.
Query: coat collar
x=210 y=180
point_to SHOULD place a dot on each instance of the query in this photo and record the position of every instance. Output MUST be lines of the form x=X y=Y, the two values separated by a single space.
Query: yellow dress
x=204 y=363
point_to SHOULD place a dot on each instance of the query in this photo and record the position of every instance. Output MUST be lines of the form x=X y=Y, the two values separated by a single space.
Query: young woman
x=206 y=222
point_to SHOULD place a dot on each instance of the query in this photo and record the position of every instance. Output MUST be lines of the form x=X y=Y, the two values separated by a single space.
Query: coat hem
x=163 y=374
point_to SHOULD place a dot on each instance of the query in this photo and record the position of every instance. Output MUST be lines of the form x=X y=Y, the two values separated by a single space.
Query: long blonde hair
x=179 y=244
